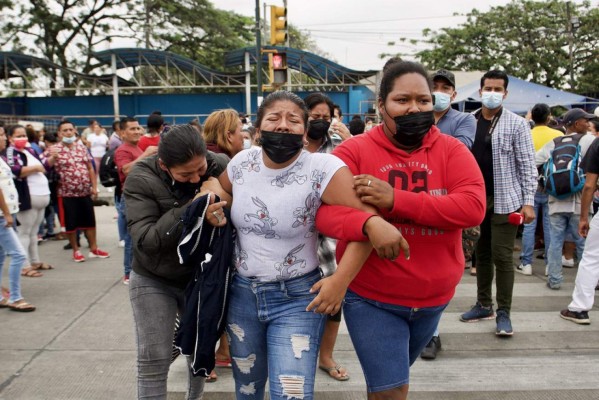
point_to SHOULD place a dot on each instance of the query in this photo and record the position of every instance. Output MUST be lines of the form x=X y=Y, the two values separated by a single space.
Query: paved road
x=79 y=344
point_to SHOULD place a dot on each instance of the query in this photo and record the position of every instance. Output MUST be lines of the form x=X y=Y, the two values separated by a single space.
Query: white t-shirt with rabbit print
x=274 y=212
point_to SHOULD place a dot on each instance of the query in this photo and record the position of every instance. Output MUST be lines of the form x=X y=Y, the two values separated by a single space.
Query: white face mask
x=442 y=101
x=491 y=100
x=69 y=140
x=247 y=143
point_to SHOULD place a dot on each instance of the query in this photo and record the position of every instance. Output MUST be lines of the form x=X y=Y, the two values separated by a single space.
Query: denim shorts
x=388 y=338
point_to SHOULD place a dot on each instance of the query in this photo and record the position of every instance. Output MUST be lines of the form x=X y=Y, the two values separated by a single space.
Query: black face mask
x=281 y=147
x=185 y=188
x=410 y=129
x=318 y=128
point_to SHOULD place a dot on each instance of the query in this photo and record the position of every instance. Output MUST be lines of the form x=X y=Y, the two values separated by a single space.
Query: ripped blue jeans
x=271 y=335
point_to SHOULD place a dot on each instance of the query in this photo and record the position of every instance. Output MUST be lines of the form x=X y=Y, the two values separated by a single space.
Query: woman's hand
x=215 y=215
x=340 y=129
x=8 y=221
x=331 y=292
x=386 y=239
x=374 y=191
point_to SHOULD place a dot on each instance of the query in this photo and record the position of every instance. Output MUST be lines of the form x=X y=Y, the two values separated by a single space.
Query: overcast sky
x=355 y=32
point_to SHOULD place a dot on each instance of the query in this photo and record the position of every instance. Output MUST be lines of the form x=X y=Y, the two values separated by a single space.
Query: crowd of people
x=375 y=223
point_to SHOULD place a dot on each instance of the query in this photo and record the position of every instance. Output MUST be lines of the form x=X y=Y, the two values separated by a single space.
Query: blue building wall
x=169 y=104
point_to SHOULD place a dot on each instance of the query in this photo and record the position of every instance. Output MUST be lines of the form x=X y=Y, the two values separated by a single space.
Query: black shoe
x=578 y=317
x=431 y=349
x=69 y=247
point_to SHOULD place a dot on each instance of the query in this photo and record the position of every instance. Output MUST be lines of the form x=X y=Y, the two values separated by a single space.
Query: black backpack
x=109 y=174
x=562 y=173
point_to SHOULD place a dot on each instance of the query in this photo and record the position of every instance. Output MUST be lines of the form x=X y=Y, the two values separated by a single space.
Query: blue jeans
x=128 y=255
x=541 y=208
x=11 y=246
x=155 y=307
x=119 y=203
x=272 y=335
x=388 y=338
x=561 y=224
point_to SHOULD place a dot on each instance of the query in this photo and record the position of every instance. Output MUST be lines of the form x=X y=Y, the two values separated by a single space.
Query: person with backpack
x=587 y=275
x=125 y=157
x=541 y=134
x=563 y=179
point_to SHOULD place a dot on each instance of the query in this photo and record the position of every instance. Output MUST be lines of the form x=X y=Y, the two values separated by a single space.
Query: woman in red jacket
x=429 y=186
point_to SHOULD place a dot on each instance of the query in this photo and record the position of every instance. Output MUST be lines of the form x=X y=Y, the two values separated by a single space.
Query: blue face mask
x=69 y=140
x=442 y=101
x=491 y=100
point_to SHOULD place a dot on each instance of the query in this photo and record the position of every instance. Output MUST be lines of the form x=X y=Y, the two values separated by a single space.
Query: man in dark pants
x=505 y=154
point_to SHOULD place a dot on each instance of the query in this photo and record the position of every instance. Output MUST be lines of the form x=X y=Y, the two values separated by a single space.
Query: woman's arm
x=461 y=207
x=151 y=230
x=340 y=195
x=29 y=170
x=332 y=289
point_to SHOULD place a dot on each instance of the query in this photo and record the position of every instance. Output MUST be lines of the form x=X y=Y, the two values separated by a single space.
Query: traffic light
x=277 y=63
x=278 y=26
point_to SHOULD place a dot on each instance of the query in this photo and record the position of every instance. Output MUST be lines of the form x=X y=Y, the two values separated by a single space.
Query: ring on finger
x=217 y=216
x=369 y=182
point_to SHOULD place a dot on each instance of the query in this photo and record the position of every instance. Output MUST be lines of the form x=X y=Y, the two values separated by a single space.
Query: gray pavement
x=79 y=343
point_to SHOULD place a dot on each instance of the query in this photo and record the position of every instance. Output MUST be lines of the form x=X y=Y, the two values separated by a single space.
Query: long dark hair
x=180 y=144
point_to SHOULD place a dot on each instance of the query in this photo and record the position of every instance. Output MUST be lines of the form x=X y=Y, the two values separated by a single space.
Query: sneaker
x=524 y=269
x=478 y=313
x=504 y=324
x=121 y=244
x=78 y=257
x=431 y=349
x=555 y=286
x=578 y=317
x=126 y=280
x=567 y=263
x=98 y=254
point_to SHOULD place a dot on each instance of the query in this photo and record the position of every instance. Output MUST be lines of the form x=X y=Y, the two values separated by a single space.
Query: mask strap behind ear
x=393 y=131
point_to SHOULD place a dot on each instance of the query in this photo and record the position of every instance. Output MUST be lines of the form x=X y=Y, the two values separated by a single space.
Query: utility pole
x=288 y=78
x=570 y=44
x=258 y=53
x=147 y=27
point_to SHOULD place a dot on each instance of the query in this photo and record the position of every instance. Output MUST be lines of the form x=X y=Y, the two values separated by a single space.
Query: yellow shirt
x=542 y=134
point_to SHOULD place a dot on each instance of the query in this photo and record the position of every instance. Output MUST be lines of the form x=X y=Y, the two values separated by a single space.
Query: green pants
x=494 y=253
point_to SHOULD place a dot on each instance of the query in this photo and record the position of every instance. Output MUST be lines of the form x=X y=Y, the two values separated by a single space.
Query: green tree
x=63 y=31
x=528 y=39
x=194 y=29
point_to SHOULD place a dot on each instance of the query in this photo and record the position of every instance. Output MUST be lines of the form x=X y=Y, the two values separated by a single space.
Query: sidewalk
x=79 y=343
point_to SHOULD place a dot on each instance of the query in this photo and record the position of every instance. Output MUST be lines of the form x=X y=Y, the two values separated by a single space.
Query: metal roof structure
x=165 y=69
x=323 y=72
x=149 y=69
x=17 y=65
